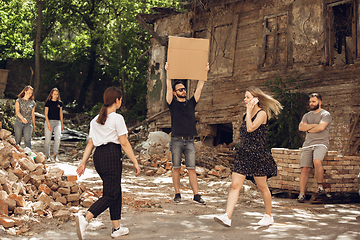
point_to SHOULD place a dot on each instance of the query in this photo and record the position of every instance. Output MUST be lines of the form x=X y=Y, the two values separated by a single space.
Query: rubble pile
x=29 y=187
x=211 y=162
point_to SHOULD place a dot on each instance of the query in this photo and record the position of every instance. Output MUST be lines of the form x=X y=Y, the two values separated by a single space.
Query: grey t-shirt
x=319 y=138
x=25 y=107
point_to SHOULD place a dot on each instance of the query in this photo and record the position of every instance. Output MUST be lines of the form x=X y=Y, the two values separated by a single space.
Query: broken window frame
x=329 y=29
x=266 y=33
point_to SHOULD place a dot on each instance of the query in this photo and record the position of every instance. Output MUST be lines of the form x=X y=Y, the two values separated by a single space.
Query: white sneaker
x=121 y=231
x=266 y=220
x=56 y=159
x=223 y=220
x=81 y=224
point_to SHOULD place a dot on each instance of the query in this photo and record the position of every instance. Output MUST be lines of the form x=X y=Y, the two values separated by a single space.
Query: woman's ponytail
x=110 y=96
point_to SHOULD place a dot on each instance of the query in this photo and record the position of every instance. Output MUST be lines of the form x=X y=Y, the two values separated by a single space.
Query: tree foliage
x=283 y=130
x=98 y=43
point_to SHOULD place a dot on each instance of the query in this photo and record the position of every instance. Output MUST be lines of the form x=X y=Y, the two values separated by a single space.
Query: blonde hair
x=22 y=94
x=266 y=102
x=51 y=92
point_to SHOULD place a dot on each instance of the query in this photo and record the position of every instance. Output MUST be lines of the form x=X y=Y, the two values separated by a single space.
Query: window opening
x=341 y=32
x=275 y=41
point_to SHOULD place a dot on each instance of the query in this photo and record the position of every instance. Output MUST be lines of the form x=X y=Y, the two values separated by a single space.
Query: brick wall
x=340 y=172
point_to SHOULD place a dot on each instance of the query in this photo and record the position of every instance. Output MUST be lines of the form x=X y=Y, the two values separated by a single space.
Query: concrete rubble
x=28 y=188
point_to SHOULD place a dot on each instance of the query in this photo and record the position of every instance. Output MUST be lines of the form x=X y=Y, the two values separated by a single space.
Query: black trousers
x=108 y=164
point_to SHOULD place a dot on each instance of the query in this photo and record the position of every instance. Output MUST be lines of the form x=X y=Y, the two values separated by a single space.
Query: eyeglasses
x=181 y=89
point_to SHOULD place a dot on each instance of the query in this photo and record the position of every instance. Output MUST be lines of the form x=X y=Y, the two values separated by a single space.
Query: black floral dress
x=252 y=158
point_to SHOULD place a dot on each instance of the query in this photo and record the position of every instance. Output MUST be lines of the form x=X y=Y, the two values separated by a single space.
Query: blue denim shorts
x=178 y=146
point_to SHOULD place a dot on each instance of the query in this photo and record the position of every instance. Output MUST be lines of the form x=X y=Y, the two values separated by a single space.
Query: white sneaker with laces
x=81 y=224
x=121 y=231
x=223 y=220
x=266 y=220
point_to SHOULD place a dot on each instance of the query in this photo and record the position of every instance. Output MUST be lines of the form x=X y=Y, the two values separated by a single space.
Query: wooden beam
x=351 y=134
x=142 y=22
x=150 y=119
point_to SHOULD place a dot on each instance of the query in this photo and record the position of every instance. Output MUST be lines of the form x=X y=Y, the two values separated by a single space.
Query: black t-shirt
x=183 y=122
x=54 y=109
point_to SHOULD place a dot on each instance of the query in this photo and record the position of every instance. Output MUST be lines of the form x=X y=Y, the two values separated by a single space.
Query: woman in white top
x=108 y=133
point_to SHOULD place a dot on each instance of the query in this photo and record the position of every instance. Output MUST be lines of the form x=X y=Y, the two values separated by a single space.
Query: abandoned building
x=252 y=41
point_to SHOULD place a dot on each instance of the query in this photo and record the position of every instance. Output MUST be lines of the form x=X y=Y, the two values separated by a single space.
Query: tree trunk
x=89 y=78
x=37 y=49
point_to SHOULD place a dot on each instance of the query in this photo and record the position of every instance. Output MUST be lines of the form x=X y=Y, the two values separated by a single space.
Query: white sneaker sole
x=120 y=235
x=221 y=222
x=265 y=225
x=78 y=231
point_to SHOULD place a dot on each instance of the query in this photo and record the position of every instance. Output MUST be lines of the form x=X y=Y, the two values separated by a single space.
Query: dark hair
x=22 y=94
x=176 y=83
x=110 y=96
x=317 y=95
x=51 y=92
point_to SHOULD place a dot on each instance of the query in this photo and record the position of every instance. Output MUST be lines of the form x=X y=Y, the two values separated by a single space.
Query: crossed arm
x=312 y=128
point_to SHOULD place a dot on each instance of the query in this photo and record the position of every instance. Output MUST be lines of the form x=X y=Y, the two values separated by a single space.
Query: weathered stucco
x=240 y=35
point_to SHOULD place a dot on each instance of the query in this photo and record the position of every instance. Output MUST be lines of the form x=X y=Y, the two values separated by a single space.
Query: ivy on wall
x=284 y=129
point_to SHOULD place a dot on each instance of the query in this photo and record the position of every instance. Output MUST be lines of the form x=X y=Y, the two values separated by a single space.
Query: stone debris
x=211 y=162
x=28 y=187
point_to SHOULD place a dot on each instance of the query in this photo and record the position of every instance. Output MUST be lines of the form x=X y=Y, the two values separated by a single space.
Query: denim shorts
x=308 y=155
x=178 y=146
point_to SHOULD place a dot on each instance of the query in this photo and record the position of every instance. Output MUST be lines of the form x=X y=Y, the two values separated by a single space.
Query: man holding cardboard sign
x=183 y=128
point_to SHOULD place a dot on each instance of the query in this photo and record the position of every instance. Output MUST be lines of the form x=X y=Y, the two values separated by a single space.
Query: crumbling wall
x=240 y=34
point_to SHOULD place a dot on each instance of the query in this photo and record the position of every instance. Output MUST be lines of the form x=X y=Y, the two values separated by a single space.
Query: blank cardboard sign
x=187 y=58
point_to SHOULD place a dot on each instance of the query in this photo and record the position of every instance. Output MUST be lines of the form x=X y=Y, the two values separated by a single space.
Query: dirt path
x=150 y=213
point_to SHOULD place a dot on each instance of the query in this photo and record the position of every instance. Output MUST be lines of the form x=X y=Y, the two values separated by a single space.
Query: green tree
x=97 y=42
x=16 y=29
x=283 y=130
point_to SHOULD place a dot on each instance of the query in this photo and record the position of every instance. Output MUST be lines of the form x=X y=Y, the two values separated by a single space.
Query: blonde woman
x=252 y=160
x=25 y=116
x=53 y=122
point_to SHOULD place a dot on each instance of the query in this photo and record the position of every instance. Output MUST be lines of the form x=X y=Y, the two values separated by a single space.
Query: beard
x=180 y=96
x=316 y=107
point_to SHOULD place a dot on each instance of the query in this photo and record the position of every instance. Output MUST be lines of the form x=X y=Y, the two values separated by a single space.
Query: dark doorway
x=166 y=130
x=224 y=134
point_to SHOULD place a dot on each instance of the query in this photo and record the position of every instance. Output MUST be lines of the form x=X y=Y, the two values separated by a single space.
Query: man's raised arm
x=169 y=90
x=200 y=85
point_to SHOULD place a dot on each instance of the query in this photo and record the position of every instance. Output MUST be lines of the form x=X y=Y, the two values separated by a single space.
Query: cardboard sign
x=187 y=58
